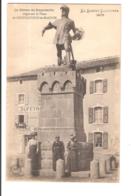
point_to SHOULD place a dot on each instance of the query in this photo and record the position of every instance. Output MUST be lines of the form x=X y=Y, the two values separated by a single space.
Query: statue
x=63 y=38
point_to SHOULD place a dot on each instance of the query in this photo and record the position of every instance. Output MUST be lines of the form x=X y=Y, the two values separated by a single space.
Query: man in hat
x=62 y=39
x=58 y=150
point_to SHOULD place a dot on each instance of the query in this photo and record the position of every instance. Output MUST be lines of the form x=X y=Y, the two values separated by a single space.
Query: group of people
x=70 y=156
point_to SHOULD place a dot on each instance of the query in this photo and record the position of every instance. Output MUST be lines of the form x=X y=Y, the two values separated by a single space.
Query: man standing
x=63 y=38
x=72 y=156
x=58 y=150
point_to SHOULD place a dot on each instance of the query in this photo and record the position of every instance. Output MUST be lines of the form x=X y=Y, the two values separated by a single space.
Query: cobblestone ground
x=82 y=176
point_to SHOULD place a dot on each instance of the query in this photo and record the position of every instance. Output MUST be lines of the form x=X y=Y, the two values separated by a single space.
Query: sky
x=28 y=50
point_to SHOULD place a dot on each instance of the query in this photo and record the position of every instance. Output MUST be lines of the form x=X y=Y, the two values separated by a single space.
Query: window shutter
x=91 y=87
x=91 y=115
x=105 y=140
x=26 y=99
x=90 y=137
x=105 y=114
x=94 y=86
x=104 y=86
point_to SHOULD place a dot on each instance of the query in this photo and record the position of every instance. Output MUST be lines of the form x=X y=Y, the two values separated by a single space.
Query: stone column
x=94 y=169
x=102 y=167
x=27 y=169
x=60 y=168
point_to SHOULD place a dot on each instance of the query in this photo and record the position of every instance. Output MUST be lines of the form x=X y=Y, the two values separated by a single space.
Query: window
x=21 y=121
x=99 y=139
x=21 y=98
x=98 y=86
x=98 y=114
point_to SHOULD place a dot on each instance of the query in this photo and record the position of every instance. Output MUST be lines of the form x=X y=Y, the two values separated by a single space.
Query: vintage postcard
x=63 y=92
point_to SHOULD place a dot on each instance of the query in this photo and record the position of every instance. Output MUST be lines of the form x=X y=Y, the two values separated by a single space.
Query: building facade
x=101 y=106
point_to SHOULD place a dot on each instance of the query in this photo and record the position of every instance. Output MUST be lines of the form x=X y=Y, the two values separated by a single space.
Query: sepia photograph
x=63 y=92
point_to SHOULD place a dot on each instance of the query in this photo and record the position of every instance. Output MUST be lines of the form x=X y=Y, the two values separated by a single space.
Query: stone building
x=97 y=115
x=102 y=103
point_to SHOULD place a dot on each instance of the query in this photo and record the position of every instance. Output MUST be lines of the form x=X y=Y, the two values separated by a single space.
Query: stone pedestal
x=61 y=107
x=61 y=104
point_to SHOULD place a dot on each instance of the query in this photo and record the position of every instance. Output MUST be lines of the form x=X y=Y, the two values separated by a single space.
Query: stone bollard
x=27 y=170
x=102 y=168
x=108 y=165
x=94 y=169
x=60 y=168
x=67 y=165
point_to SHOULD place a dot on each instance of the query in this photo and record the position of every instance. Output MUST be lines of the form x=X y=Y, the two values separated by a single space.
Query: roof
x=83 y=65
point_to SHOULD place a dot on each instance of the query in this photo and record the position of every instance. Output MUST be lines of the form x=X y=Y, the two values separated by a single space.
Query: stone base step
x=50 y=173
x=81 y=174
x=47 y=173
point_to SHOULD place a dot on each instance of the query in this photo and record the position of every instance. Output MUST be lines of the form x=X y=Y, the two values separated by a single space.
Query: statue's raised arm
x=49 y=26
